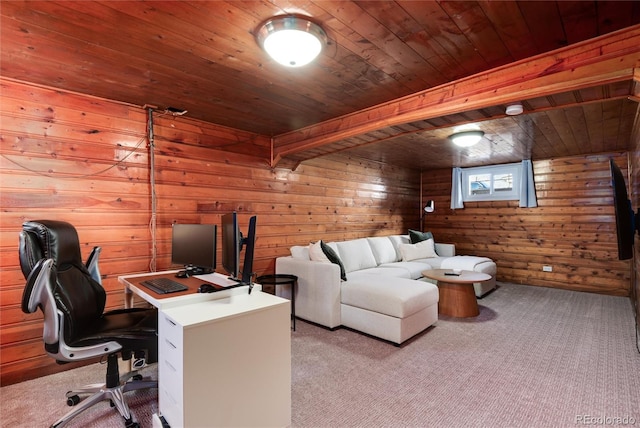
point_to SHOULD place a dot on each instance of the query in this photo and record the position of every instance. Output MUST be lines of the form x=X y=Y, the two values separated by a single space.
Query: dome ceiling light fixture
x=291 y=40
x=466 y=138
x=514 y=109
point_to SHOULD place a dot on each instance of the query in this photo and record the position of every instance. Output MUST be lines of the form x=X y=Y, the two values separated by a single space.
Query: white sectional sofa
x=384 y=293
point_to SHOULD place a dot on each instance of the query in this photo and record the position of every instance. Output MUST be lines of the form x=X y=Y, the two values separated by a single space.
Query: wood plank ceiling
x=202 y=57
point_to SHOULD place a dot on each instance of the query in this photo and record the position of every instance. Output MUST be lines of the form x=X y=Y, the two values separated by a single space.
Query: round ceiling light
x=514 y=109
x=291 y=40
x=466 y=138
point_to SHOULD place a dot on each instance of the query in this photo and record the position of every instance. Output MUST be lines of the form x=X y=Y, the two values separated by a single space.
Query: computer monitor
x=232 y=243
x=194 y=247
x=249 y=246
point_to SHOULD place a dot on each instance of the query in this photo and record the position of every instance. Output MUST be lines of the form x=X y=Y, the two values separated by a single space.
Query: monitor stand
x=193 y=270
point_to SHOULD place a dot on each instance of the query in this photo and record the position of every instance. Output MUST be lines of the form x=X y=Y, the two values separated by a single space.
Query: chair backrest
x=77 y=295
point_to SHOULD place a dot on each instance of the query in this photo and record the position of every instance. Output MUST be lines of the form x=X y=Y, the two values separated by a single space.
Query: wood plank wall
x=85 y=160
x=572 y=229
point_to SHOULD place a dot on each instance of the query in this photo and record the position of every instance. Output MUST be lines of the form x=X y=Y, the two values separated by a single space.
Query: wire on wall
x=75 y=177
x=152 y=183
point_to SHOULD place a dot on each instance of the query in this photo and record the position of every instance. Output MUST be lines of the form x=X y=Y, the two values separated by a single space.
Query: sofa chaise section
x=393 y=309
x=389 y=307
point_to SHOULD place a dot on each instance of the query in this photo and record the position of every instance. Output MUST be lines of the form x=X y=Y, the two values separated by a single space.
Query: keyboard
x=164 y=285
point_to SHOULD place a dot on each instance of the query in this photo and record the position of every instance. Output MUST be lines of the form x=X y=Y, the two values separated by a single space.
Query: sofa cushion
x=316 y=254
x=473 y=263
x=396 y=272
x=356 y=254
x=300 y=252
x=416 y=236
x=396 y=297
x=383 y=249
x=333 y=258
x=434 y=262
x=413 y=268
x=421 y=250
x=398 y=240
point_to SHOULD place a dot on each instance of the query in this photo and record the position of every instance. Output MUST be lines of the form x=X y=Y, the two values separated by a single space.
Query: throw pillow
x=417 y=236
x=333 y=258
x=316 y=254
x=421 y=250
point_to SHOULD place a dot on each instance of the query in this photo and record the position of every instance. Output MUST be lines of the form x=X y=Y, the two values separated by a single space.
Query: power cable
x=74 y=177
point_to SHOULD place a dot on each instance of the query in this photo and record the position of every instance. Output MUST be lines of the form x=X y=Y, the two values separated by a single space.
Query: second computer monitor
x=232 y=243
x=249 y=246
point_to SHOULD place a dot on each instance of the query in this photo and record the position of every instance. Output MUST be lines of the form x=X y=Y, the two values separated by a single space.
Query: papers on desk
x=217 y=279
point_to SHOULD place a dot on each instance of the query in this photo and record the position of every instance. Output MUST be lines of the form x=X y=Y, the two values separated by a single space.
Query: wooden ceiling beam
x=636 y=84
x=610 y=58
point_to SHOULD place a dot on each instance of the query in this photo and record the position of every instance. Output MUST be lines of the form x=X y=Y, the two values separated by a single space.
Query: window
x=491 y=183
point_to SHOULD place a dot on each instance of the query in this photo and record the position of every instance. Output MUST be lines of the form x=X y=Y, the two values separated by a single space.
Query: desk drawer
x=171 y=408
x=170 y=364
x=171 y=377
x=169 y=330
x=170 y=351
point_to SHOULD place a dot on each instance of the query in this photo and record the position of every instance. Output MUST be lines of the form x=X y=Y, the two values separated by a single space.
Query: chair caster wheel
x=73 y=400
x=131 y=424
x=136 y=377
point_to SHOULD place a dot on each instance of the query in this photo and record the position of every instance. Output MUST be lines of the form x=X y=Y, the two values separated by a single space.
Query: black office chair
x=71 y=296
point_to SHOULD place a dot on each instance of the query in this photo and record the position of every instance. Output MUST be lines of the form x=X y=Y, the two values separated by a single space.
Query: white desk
x=133 y=288
x=224 y=358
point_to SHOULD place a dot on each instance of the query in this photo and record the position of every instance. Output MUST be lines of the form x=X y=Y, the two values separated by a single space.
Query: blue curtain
x=527 y=187
x=456 y=189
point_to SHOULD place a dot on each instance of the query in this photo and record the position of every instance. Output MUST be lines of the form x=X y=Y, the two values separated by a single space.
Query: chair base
x=100 y=391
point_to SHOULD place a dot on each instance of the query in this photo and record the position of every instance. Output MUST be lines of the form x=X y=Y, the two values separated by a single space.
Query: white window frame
x=492 y=170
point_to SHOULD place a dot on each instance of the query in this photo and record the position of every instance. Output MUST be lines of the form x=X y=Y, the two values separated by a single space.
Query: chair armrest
x=318 y=291
x=445 y=250
x=92 y=264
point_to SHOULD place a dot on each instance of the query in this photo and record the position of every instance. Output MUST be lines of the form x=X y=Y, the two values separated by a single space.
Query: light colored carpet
x=533 y=357
x=40 y=402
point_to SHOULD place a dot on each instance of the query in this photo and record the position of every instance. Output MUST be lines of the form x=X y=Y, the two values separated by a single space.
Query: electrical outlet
x=547 y=268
